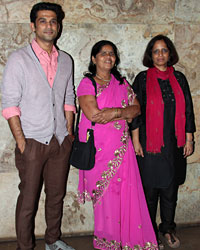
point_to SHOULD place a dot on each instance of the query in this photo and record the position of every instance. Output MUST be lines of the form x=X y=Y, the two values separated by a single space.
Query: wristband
x=191 y=142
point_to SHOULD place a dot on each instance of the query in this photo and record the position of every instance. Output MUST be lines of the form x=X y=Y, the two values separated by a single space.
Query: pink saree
x=121 y=218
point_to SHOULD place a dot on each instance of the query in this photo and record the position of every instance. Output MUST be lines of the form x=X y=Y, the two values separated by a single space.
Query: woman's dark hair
x=47 y=6
x=95 y=50
x=173 y=55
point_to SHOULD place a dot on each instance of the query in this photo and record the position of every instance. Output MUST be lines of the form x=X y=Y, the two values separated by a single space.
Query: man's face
x=46 y=26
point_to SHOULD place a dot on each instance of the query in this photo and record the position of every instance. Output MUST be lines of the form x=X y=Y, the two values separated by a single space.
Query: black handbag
x=83 y=153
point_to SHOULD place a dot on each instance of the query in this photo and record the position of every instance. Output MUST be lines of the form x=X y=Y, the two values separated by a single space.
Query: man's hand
x=72 y=137
x=21 y=145
x=16 y=129
x=70 y=123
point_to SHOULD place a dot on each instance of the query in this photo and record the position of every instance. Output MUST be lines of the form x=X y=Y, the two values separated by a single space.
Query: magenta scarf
x=155 y=110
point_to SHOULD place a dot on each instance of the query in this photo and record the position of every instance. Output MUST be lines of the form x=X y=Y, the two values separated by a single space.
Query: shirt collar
x=38 y=50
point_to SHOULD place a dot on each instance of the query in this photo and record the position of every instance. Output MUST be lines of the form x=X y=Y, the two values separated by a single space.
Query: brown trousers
x=38 y=164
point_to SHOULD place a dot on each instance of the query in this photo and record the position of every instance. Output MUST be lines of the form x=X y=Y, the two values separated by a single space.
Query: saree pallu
x=121 y=218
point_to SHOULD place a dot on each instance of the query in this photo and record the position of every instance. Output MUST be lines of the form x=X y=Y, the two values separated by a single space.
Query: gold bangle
x=116 y=113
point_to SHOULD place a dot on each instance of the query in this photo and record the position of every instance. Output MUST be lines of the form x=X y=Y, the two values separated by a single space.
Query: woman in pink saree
x=121 y=219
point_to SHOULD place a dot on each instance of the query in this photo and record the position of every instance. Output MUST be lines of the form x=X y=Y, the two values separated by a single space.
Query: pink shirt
x=48 y=62
x=49 y=65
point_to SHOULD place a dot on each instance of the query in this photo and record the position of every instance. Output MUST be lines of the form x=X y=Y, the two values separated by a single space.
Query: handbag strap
x=79 y=109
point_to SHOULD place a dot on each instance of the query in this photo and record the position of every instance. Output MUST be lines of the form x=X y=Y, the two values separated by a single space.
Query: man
x=38 y=102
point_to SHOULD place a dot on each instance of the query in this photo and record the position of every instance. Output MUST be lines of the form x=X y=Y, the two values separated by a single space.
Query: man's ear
x=32 y=25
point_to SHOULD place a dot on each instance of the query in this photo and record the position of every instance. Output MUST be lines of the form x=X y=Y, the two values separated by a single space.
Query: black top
x=158 y=170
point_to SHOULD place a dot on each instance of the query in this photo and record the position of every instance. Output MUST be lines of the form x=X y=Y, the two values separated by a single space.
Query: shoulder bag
x=83 y=153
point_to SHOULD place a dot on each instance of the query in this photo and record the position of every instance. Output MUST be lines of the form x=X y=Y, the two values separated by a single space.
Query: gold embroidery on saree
x=83 y=197
x=117 y=125
x=125 y=136
x=123 y=103
x=131 y=95
x=117 y=152
x=104 y=244
x=101 y=88
x=114 y=245
x=113 y=166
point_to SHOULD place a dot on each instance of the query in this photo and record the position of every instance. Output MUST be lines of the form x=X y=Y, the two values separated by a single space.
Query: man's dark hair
x=173 y=55
x=47 y=6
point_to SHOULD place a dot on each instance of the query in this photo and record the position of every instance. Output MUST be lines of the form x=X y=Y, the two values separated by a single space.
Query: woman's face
x=105 y=59
x=160 y=55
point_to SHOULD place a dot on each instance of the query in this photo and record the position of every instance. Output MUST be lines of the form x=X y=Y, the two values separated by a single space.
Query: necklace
x=105 y=80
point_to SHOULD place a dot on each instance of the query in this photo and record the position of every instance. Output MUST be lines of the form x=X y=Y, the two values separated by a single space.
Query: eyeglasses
x=107 y=53
x=160 y=51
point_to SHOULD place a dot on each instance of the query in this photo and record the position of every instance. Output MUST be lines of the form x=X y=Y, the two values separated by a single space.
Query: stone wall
x=130 y=24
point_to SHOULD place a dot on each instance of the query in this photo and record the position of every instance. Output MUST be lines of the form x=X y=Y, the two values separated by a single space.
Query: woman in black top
x=163 y=134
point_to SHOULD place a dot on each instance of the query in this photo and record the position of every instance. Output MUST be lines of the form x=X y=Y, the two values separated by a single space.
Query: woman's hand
x=105 y=115
x=90 y=108
x=136 y=142
x=189 y=145
x=138 y=149
x=129 y=120
x=188 y=149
